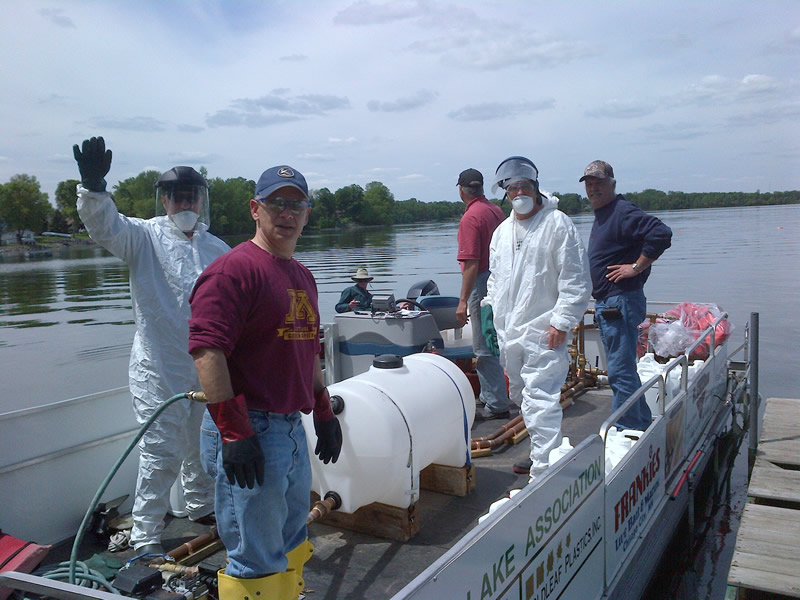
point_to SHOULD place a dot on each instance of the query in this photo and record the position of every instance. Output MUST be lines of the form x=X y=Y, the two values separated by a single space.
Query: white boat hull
x=53 y=459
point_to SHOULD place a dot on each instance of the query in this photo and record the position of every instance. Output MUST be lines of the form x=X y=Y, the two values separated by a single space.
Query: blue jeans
x=620 y=337
x=259 y=526
x=491 y=376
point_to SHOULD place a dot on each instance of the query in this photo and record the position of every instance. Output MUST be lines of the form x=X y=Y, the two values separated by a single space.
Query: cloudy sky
x=676 y=95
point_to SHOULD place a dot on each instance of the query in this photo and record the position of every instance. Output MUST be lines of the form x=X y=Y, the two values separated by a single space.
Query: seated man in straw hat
x=356 y=296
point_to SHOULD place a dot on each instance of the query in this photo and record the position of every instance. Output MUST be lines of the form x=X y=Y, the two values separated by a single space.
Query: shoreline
x=13 y=250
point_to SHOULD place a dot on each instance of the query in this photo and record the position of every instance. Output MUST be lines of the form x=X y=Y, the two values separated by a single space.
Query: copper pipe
x=170 y=567
x=190 y=547
x=575 y=389
x=499 y=431
x=497 y=441
x=331 y=502
x=194 y=545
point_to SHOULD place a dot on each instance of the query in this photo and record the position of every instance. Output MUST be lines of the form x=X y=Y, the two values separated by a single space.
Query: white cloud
x=57 y=17
x=333 y=141
x=421 y=98
x=410 y=92
x=315 y=157
x=364 y=12
x=622 y=109
x=499 y=110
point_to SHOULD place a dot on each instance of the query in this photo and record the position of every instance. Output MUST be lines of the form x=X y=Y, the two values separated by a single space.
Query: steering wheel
x=412 y=303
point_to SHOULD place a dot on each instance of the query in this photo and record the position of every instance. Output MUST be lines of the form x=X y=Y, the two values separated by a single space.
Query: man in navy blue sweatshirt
x=623 y=244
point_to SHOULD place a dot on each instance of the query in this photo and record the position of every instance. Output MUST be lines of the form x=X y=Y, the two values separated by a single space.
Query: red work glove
x=242 y=457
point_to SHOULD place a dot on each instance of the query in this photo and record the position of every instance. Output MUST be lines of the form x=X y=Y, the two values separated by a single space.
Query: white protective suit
x=545 y=282
x=164 y=265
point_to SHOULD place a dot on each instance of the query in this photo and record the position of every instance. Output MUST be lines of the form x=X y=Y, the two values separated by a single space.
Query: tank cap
x=387 y=361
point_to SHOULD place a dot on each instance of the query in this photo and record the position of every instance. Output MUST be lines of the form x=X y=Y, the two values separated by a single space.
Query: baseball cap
x=599 y=169
x=470 y=178
x=278 y=177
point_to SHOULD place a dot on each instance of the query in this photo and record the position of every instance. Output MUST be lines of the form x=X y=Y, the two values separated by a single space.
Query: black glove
x=93 y=163
x=329 y=440
x=243 y=462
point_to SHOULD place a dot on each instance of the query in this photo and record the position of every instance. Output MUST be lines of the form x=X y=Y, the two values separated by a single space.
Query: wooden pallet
x=765 y=559
x=397 y=523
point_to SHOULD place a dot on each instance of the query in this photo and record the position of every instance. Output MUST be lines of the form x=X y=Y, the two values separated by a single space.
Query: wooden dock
x=766 y=559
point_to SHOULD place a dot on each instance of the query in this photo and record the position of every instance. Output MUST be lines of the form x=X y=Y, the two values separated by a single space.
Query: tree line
x=24 y=206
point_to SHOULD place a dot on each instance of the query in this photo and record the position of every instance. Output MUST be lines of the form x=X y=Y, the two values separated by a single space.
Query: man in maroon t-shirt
x=479 y=221
x=254 y=336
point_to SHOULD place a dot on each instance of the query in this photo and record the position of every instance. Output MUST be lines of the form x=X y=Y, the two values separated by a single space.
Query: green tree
x=229 y=201
x=66 y=201
x=136 y=196
x=58 y=222
x=323 y=209
x=23 y=205
x=571 y=204
x=349 y=202
x=378 y=207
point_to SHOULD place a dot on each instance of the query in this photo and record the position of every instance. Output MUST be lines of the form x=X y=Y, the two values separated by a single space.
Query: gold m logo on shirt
x=300 y=308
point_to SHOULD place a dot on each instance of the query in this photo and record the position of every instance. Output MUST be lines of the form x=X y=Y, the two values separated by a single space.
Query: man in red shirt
x=254 y=336
x=479 y=221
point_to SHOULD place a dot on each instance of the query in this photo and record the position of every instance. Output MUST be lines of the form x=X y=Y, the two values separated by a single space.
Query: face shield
x=512 y=170
x=186 y=205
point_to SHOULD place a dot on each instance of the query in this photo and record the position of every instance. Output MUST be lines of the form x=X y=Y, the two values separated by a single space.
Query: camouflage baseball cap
x=599 y=169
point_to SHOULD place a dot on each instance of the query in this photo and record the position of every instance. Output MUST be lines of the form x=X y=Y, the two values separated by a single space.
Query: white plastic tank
x=648 y=367
x=396 y=421
x=617 y=446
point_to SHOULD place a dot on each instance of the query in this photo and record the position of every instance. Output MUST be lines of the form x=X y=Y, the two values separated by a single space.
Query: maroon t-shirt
x=479 y=221
x=262 y=312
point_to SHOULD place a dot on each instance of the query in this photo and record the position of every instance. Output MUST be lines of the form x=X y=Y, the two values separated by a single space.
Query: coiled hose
x=73 y=558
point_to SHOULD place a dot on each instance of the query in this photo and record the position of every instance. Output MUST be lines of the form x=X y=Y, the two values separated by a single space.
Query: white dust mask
x=522 y=205
x=185 y=220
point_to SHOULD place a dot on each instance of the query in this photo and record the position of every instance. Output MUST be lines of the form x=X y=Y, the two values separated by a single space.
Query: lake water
x=66 y=323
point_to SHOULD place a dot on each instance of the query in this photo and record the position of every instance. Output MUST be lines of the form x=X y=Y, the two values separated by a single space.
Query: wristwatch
x=635 y=267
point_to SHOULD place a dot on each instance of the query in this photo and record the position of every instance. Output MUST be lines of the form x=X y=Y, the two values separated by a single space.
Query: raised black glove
x=243 y=462
x=93 y=163
x=329 y=440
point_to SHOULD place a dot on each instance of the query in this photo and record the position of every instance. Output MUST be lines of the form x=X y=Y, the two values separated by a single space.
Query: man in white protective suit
x=537 y=293
x=165 y=255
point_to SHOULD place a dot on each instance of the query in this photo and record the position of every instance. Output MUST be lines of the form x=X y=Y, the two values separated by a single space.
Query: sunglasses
x=278 y=204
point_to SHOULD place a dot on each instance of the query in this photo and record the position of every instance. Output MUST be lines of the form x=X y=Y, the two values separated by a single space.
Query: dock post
x=753 y=445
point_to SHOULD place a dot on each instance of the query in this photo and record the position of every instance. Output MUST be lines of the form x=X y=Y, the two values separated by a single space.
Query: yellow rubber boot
x=297 y=558
x=300 y=556
x=278 y=586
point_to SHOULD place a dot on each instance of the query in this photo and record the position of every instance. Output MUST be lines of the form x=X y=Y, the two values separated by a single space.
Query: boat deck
x=765 y=559
x=349 y=564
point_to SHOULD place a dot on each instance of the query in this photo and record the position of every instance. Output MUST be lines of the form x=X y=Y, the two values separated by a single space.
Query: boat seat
x=443 y=309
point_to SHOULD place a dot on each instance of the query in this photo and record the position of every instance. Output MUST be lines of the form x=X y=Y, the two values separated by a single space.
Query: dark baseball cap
x=599 y=169
x=470 y=178
x=278 y=177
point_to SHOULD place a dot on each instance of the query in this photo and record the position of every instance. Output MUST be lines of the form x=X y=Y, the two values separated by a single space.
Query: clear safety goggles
x=525 y=187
